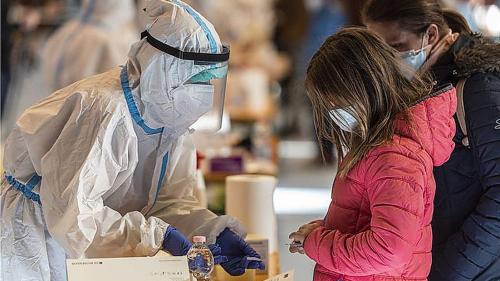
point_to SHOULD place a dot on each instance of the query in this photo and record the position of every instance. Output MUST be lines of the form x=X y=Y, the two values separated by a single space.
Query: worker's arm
x=176 y=203
x=83 y=155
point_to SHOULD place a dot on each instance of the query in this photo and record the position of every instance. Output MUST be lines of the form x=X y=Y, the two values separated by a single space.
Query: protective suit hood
x=159 y=81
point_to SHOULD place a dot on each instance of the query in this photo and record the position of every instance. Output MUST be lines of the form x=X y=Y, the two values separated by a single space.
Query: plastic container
x=200 y=259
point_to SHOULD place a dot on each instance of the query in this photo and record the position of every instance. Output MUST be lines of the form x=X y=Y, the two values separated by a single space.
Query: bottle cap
x=199 y=239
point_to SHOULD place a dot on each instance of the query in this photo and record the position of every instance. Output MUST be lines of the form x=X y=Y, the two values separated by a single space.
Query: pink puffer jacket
x=378 y=226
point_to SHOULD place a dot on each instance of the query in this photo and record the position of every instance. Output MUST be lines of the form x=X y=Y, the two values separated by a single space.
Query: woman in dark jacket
x=466 y=221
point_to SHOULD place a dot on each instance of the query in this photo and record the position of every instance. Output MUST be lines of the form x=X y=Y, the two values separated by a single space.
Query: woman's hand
x=300 y=236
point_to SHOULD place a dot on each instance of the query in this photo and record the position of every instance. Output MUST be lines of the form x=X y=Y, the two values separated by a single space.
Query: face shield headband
x=202 y=58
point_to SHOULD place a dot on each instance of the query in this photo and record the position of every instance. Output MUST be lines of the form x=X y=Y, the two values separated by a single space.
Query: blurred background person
x=353 y=10
x=25 y=27
x=481 y=15
x=292 y=24
x=316 y=20
x=46 y=58
x=464 y=7
x=467 y=202
x=5 y=56
x=93 y=42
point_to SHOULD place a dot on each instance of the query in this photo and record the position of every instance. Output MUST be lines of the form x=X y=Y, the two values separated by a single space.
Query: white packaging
x=129 y=269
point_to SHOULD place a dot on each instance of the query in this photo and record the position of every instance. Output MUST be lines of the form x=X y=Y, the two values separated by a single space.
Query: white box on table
x=158 y=268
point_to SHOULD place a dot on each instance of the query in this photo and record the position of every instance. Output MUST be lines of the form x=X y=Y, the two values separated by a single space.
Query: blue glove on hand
x=178 y=245
x=175 y=242
x=239 y=254
x=217 y=253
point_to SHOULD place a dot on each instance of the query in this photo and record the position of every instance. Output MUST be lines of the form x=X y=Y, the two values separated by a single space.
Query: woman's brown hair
x=456 y=21
x=355 y=68
x=415 y=15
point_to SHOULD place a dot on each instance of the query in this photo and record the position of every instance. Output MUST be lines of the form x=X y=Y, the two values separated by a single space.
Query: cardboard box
x=158 y=268
x=221 y=275
x=261 y=246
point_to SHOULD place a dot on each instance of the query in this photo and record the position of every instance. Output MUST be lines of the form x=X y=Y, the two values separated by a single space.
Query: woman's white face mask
x=344 y=118
x=416 y=58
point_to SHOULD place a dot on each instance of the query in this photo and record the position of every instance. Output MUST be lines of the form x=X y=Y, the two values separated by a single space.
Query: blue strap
x=163 y=171
x=132 y=107
x=26 y=189
x=164 y=163
x=199 y=20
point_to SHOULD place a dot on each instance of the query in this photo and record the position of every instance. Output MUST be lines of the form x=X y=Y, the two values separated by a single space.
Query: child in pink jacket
x=390 y=128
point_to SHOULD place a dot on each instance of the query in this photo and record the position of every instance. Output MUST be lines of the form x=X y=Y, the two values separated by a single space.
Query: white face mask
x=190 y=102
x=344 y=119
x=416 y=58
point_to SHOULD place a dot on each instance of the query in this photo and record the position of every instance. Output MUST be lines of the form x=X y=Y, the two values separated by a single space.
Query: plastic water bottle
x=200 y=259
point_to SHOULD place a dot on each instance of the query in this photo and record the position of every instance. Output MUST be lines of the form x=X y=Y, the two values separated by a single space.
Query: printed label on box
x=129 y=269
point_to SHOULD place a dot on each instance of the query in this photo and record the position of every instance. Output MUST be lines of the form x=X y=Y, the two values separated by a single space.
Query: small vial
x=200 y=259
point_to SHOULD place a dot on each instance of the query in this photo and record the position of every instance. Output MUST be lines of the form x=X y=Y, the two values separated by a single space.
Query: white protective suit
x=97 y=40
x=97 y=170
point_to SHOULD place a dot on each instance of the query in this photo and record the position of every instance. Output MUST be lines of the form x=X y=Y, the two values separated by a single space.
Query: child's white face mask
x=344 y=119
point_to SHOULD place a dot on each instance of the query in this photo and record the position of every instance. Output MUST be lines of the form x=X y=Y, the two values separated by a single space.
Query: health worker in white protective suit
x=95 y=41
x=106 y=168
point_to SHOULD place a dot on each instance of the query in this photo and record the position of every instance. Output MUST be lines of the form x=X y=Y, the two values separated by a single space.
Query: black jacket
x=466 y=222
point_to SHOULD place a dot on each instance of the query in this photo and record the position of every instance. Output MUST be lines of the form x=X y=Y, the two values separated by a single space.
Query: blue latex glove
x=198 y=262
x=175 y=242
x=217 y=253
x=239 y=254
x=178 y=245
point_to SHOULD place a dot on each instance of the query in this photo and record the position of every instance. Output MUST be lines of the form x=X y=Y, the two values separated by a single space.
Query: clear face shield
x=215 y=77
x=209 y=83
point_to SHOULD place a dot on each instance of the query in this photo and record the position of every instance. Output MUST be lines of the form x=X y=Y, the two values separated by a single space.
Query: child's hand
x=300 y=236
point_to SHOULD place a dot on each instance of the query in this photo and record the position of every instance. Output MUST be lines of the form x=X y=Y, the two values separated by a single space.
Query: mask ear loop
x=423 y=38
x=422 y=49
